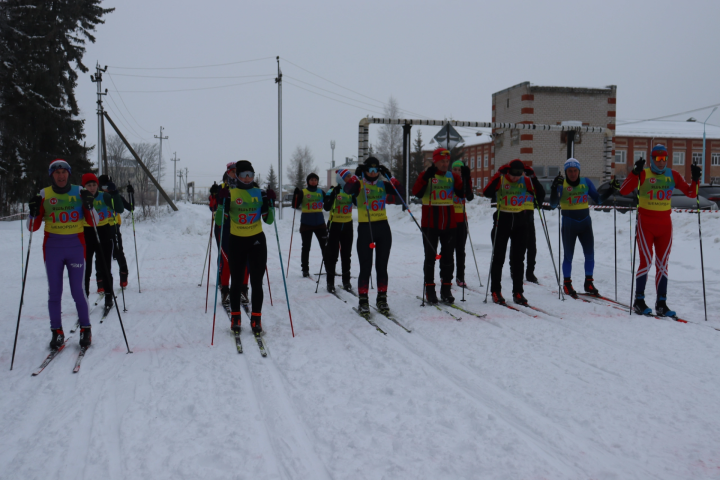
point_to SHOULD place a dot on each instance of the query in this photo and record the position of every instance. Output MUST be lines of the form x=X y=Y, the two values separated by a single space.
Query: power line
x=126 y=108
x=123 y=124
x=123 y=116
x=333 y=99
x=190 y=89
x=668 y=116
x=194 y=78
x=329 y=91
x=187 y=68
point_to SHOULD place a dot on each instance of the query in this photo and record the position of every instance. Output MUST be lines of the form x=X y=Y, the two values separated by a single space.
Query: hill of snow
x=591 y=393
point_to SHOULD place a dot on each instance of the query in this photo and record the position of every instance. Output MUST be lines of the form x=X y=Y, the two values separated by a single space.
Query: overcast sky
x=439 y=59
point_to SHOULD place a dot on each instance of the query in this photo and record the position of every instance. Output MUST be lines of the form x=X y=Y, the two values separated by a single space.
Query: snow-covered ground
x=591 y=394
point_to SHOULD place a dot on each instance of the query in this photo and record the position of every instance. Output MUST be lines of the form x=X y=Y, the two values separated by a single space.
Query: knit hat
x=441 y=154
x=311 y=175
x=458 y=163
x=87 y=178
x=59 y=163
x=372 y=162
x=231 y=166
x=571 y=163
x=243 y=166
x=659 y=151
x=517 y=168
x=103 y=180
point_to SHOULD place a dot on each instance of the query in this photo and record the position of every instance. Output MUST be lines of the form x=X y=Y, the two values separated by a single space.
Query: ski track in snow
x=592 y=393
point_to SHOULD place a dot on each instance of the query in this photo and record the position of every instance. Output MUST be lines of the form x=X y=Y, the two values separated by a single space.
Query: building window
x=638 y=154
x=553 y=171
x=485 y=163
x=697 y=158
x=620 y=157
x=714 y=180
x=678 y=158
x=472 y=162
x=485 y=182
x=715 y=160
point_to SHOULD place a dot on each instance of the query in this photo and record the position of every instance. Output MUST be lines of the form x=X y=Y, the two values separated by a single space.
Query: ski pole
x=492 y=255
x=372 y=242
x=287 y=298
x=207 y=288
x=615 y=234
x=22 y=245
x=546 y=230
x=207 y=251
x=317 y=285
x=268 y=279
x=115 y=245
x=632 y=282
x=437 y=255
x=219 y=266
x=292 y=232
x=467 y=227
x=22 y=294
x=559 y=249
x=107 y=275
x=132 y=215
x=702 y=262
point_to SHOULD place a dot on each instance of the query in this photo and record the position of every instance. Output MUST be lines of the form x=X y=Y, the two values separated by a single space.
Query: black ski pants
x=118 y=251
x=460 y=241
x=340 y=238
x=447 y=245
x=382 y=236
x=251 y=252
x=510 y=227
x=306 y=232
x=91 y=249
x=530 y=242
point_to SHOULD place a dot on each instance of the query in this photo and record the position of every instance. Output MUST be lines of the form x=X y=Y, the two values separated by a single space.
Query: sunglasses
x=246 y=174
x=372 y=170
x=662 y=158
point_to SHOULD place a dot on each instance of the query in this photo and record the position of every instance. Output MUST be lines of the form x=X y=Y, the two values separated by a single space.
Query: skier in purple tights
x=63 y=207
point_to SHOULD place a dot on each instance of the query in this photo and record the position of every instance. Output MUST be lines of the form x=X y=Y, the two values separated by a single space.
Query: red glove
x=223 y=194
x=271 y=194
x=395 y=183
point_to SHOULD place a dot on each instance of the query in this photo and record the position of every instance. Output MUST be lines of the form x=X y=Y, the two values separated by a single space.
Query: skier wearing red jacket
x=654 y=226
x=512 y=189
x=436 y=187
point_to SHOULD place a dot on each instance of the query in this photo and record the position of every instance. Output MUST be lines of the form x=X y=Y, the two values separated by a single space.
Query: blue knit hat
x=571 y=163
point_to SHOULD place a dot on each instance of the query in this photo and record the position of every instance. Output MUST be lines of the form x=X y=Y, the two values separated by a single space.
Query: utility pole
x=175 y=160
x=97 y=78
x=159 y=179
x=278 y=80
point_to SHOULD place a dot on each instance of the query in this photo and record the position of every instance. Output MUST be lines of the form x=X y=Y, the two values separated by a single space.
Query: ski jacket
x=245 y=207
x=655 y=190
x=438 y=210
x=63 y=213
x=373 y=198
x=572 y=198
x=310 y=201
x=531 y=188
x=339 y=204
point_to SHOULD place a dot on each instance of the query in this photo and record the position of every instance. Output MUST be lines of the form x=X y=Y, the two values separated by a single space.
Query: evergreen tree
x=272 y=180
x=41 y=45
x=417 y=158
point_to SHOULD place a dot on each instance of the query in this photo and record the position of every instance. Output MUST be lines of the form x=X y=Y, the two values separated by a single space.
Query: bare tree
x=302 y=164
x=145 y=191
x=389 y=146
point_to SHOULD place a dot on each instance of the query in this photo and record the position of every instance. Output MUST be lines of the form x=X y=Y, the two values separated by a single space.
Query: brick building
x=547 y=151
x=634 y=140
x=478 y=154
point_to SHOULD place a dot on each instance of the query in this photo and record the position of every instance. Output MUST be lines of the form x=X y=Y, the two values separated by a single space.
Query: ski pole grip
x=372 y=245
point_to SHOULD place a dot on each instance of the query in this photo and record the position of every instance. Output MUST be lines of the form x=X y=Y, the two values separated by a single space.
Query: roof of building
x=348 y=165
x=469 y=141
x=665 y=129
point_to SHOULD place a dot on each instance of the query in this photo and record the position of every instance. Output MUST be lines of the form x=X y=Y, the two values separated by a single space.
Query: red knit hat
x=441 y=154
x=87 y=178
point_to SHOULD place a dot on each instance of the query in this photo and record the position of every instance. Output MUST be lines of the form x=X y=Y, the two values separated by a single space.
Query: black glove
x=430 y=172
x=615 y=185
x=271 y=194
x=87 y=199
x=111 y=187
x=529 y=172
x=336 y=190
x=360 y=170
x=639 y=165
x=34 y=205
x=384 y=170
x=223 y=194
x=504 y=169
x=695 y=172
x=557 y=181
x=214 y=189
x=130 y=189
x=465 y=173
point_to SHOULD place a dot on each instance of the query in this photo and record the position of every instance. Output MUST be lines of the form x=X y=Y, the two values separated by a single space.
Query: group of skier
x=82 y=222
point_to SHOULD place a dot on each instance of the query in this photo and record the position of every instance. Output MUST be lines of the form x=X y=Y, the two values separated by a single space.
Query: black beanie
x=312 y=175
x=517 y=167
x=104 y=180
x=244 y=166
x=372 y=162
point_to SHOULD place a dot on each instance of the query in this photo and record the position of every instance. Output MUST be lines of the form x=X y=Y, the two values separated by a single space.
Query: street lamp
x=703 y=155
x=332 y=146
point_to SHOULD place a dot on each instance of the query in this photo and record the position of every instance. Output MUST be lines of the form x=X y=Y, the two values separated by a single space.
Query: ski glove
x=34 y=205
x=111 y=187
x=558 y=181
x=87 y=199
x=271 y=194
x=385 y=171
x=615 y=185
x=130 y=189
x=696 y=172
x=360 y=170
x=504 y=169
x=430 y=173
x=639 y=165
x=223 y=194
x=465 y=173
x=529 y=172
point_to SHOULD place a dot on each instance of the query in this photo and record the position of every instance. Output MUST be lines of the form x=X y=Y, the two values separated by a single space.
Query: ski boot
x=225 y=294
x=330 y=287
x=662 y=309
x=364 y=304
x=347 y=285
x=306 y=273
x=460 y=283
x=100 y=288
x=589 y=287
x=123 y=279
x=58 y=338
x=85 y=336
x=430 y=295
x=498 y=298
x=244 y=295
x=108 y=302
x=530 y=277
x=568 y=288
x=235 y=322
x=381 y=302
x=256 y=323
x=446 y=294
x=520 y=299
x=639 y=305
